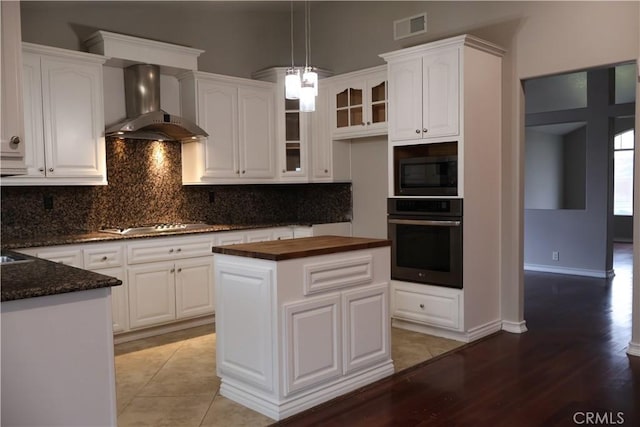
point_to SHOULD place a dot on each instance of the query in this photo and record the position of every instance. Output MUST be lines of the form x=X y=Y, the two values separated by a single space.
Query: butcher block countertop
x=280 y=250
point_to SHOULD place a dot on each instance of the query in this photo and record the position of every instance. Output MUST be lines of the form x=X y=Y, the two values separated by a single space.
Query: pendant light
x=292 y=76
x=309 y=86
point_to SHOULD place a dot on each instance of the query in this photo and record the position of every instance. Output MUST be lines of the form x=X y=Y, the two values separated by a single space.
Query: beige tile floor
x=170 y=380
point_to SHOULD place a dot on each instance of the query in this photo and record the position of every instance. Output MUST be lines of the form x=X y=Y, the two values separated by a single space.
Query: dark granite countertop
x=280 y=250
x=98 y=236
x=38 y=277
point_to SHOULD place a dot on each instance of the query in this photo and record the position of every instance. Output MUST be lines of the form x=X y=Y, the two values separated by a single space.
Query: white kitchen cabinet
x=295 y=333
x=330 y=159
x=152 y=294
x=428 y=305
x=169 y=279
x=456 y=86
x=119 y=299
x=64 y=118
x=67 y=255
x=194 y=287
x=313 y=342
x=230 y=238
x=238 y=114
x=358 y=103
x=12 y=147
x=424 y=91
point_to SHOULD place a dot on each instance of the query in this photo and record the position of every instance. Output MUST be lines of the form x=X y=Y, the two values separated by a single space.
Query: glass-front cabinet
x=292 y=137
x=359 y=103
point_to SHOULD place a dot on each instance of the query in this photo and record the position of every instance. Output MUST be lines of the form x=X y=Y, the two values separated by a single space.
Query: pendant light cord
x=292 y=64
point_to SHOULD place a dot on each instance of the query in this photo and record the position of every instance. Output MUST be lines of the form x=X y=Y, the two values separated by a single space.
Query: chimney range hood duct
x=145 y=119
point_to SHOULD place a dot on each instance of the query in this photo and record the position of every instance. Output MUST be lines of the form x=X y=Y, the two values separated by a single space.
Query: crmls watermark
x=598 y=418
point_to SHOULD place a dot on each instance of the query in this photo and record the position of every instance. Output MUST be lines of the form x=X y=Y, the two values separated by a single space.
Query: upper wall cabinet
x=12 y=125
x=424 y=95
x=358 y=103
x=64 y=118
x=238 y=114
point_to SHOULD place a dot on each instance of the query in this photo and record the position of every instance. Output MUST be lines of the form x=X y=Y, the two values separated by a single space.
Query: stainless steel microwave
x=427 y=176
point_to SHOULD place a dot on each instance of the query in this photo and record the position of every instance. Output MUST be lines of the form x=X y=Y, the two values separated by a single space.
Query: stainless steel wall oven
x=426 y=236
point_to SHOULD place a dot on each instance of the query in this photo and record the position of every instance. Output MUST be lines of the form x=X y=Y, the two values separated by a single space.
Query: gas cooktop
x=155 y=228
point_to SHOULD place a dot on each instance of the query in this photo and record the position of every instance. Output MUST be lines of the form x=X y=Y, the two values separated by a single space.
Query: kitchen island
x=302 y=321
x=57 y=344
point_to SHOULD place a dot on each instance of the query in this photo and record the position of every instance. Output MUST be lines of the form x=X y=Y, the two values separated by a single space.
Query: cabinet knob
x=179 y=270
x=368 y=123
x=173 y=270
x=237 y=172
x=50 y=169
x=104 y=258
x=362 y=124
x=326 y=171
x=243 y=172
x=40 y=169
x=284 y=171
x=15 y=140
x=425 y=130
x=179 y=250
x=171 y=250
x=421 y=305
x=418 y=131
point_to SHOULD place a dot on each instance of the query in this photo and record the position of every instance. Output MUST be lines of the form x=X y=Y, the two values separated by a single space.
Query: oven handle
x=425 y=222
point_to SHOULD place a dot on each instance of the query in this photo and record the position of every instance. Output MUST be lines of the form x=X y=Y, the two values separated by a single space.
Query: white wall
x=544 y=164
x=369 y=178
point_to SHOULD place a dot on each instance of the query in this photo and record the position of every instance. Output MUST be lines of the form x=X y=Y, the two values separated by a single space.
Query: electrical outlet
x=555 y=255
x=48 y=202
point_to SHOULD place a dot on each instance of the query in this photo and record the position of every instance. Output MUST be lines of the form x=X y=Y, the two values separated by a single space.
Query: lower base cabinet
x=163 y=292
x=293 y=334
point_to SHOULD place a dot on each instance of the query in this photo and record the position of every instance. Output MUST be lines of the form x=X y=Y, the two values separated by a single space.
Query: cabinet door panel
x=440 y=92
x=256 y=133
x=12 y=120
x=405 y=99
x=217 y=114
x=313 y=342
x=366 y=327
x=194 y=287
x=119 y=299
x=151 y=295
x=73 y=118
x=33 y=137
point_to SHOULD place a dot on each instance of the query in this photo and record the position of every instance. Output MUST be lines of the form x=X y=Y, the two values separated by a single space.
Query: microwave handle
x=425 y=222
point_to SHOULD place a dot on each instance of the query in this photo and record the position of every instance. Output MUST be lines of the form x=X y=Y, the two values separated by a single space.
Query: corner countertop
x=37 y=277
x=280 y=250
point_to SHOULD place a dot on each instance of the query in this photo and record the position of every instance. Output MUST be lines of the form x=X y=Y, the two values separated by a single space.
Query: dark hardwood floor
x=570 y=368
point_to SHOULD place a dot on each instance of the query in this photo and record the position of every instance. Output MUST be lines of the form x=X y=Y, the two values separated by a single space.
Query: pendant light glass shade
x=307 y=97
x=292 y=84
x=311 y=76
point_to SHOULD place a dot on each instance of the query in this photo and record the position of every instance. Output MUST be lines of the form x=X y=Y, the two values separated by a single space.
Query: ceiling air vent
x=410 y=26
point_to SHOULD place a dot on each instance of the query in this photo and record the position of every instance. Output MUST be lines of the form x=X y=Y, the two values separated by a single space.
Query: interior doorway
x=571 y=121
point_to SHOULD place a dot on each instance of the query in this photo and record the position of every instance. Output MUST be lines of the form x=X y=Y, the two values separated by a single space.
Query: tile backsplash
x=145 y=186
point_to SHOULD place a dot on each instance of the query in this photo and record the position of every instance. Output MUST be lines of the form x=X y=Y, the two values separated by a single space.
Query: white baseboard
x=472 y=335
x=601 y=274
x=162 y=329
x=633 y=349
x=514 y=327
x=280 y=408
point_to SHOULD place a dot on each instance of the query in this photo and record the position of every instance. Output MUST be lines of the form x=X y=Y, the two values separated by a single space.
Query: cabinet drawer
x=441 y=310
x=167 y=249
x=103 y=257
x=72 y=257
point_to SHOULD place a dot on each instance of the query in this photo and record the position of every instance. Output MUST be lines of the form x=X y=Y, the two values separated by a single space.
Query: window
x=623 y=144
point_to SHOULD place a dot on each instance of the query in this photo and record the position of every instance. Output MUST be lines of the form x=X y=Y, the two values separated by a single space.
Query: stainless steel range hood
x=145 y=119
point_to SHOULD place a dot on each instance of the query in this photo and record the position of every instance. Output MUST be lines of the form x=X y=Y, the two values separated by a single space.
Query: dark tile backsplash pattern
x=145 y=186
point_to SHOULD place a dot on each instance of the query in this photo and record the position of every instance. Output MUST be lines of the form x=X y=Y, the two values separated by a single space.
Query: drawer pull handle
x=422 y=306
